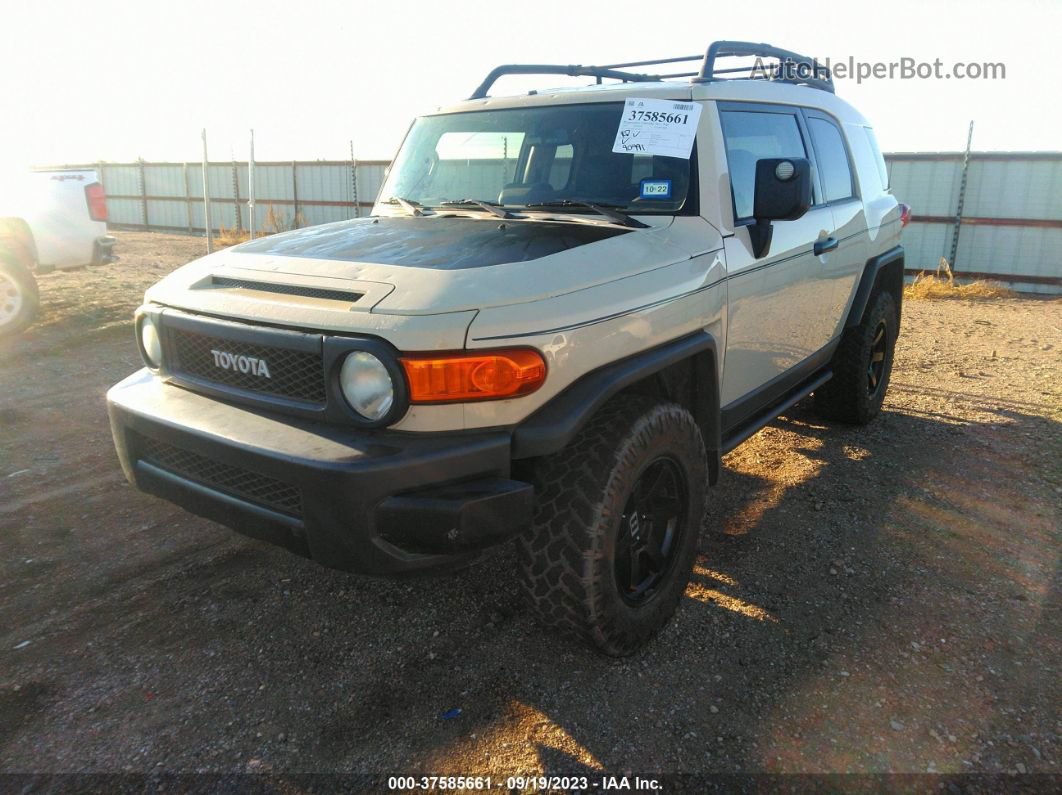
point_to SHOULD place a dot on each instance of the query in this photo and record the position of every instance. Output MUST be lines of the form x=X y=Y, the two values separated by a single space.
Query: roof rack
x=791 y=68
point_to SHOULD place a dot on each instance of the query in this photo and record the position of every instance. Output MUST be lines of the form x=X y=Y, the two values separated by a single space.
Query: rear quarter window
x=879 y=161
x=870 y=166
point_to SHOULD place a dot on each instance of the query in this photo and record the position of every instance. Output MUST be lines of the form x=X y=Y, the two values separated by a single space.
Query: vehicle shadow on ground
x=872 y=537
x=826 y=550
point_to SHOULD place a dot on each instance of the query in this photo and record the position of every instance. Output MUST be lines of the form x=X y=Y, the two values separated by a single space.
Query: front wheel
x=18 y=298
x=616 y=525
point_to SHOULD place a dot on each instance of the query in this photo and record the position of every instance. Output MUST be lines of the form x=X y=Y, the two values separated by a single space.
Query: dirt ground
x=866 y=600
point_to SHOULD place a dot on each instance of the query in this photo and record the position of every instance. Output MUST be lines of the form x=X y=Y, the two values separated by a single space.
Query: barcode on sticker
x=657 y=127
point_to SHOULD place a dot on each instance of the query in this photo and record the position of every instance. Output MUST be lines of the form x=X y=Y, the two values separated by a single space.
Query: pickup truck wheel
x=616 y=524
x=862 y=366
x=18 y=298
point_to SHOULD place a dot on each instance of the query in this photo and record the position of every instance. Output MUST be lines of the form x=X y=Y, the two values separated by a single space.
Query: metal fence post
x=206 y=199
x=250 y=189
x=187 y=198
x=236 y=196
x=295 y=196
x=962 y=197
x=354 y=181
x=143 y=193
x=505 y=160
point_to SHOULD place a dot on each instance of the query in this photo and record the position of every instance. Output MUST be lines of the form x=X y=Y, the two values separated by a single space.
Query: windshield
x=528 y=156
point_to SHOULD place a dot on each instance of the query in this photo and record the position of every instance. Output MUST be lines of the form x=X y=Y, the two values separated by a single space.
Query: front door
x=778 y=304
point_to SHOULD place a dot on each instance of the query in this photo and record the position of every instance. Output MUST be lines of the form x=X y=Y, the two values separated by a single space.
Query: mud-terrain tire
x=862 y=365
x=582 y=563
x=19 y=299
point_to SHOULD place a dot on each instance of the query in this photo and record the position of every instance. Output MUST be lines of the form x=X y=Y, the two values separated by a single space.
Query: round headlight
x=150 y=343
x=367 y=385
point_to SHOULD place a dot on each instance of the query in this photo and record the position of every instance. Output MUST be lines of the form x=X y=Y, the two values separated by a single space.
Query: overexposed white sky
x=103 y=80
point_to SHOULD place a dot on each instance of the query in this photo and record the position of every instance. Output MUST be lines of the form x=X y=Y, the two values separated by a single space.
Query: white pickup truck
x=48 y=220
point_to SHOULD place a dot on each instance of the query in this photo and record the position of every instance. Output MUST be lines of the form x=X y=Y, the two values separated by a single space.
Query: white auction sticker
x=657 y=127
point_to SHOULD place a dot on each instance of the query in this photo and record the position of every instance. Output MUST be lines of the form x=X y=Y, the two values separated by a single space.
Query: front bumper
x=370 y=502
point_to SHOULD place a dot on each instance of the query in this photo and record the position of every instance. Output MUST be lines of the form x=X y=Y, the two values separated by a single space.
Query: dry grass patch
x=941 y=284
x=275 y=222
x=278 y=221
x=230 y=237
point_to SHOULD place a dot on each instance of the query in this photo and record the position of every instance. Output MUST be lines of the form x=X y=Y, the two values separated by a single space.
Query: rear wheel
x=862 y=366
x=18 y=298
x=618 y=515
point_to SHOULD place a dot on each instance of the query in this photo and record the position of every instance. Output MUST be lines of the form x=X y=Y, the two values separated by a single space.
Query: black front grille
x=235 y=481
x=298 y=375
x=288 y=289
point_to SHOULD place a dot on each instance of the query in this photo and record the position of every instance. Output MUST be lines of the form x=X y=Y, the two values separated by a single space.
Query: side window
x=833 y=159
x=879 y=161
x=750 y=136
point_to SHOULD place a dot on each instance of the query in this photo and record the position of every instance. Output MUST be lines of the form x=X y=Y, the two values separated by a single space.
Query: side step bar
x=736 y=436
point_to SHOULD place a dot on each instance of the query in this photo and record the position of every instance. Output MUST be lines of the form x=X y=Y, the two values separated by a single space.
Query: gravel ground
x=867 y=600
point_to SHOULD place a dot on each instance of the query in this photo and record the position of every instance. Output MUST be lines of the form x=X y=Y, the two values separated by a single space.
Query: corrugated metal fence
x=1011 y=226
x=169 y=196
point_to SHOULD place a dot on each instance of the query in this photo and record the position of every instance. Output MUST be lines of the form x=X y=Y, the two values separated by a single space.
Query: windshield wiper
x=609 y=211
x=410 y=207
x=490 y=207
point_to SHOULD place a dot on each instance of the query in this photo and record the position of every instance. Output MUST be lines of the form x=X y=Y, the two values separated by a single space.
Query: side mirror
x=782 y=192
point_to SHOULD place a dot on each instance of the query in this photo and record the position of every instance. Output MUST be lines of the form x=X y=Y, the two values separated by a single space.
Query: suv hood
x=419 y=266
x=439 y=242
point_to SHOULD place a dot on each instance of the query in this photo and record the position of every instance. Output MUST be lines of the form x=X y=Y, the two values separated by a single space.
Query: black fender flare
x=550 y=428
x=867 y=281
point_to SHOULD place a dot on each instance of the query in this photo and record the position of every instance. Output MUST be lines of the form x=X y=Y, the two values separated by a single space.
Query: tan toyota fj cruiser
x=565 y=307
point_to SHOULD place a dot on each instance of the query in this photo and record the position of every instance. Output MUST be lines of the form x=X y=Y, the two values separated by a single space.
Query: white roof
x=723 y=90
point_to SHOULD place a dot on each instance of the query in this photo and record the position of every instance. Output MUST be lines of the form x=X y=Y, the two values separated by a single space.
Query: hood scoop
x=224 y=283
x=347 y=296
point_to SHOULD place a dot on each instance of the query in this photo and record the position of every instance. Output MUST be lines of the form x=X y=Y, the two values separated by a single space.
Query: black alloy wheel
x=651 y=530
x=876 y=366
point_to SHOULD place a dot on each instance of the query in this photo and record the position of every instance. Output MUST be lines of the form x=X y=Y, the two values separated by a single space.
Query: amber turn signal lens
x=483 y=375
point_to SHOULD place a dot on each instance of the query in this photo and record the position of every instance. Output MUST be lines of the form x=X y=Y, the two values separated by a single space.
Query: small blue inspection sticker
x=656 y=189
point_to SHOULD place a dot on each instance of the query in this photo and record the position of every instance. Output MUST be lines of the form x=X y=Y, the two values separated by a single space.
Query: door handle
x=829 y=244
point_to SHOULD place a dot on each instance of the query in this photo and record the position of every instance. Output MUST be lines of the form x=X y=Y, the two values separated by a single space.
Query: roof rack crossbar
x=675 y=74
x=654 y=62
x=731 y=70
x=799 y=69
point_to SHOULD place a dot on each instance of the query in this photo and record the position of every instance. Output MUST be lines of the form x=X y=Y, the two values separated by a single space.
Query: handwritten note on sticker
x=657 y=127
